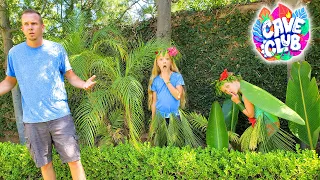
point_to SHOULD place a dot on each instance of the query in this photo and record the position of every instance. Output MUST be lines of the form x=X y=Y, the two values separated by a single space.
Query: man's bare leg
x=48 y=172
x=77 y=171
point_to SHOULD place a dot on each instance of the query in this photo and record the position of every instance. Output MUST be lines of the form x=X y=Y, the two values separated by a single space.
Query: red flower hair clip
x=224 y=75
x=173 y=51
x=156 y=52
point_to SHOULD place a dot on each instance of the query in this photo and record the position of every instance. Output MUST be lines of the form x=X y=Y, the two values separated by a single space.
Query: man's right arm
x=7 y=84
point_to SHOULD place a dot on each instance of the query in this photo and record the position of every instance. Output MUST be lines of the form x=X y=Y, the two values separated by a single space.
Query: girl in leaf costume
x=165 y=96
x=264 y=134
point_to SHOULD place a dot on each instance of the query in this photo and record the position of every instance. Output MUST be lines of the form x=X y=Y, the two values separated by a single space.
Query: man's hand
x=89 y=83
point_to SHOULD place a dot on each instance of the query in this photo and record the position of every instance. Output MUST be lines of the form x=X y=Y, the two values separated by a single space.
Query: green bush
x=126 y=162
x=7 y=121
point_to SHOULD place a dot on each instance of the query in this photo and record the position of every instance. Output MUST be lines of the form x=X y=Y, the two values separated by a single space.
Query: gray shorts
x=60 y=132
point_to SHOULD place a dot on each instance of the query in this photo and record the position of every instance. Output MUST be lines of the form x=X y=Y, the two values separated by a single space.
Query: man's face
x=31 y=26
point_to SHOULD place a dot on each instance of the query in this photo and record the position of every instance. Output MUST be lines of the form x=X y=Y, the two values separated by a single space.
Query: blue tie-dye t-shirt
x=40 y=75
x=166 y=104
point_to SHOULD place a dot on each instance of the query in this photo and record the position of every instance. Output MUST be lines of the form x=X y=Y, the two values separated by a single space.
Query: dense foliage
x=126 y=162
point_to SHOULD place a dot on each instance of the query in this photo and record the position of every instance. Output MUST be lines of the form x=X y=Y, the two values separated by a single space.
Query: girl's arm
x=248 y=106
x=176 y=92
x=153 y=105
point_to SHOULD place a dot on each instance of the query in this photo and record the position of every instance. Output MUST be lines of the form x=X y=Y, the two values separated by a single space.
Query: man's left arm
x=75 y=81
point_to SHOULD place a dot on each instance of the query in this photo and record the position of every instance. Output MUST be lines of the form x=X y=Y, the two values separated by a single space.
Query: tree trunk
x=164 y=19
x=7 y=44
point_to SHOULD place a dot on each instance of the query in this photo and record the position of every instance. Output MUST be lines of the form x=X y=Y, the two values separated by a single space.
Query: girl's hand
x=165 y=76
x=235 y=98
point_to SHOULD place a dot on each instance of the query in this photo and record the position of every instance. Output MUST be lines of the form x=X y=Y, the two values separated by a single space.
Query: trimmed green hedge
x=125 y=162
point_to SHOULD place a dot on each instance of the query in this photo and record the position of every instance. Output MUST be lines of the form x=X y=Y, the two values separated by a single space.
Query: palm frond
x=82 y=63
x=108 y=67
x=142 y=56
x=112 y=38
x=233 y=137
x=87 y=122
x=89 y=115
x=112 y=131
x=256 y=135
x=130 y=93
x=280 y=139
x=190 y=137
x=76 y=40
x=116 y=118
x=258 y=138
x=158 y=131
x=198 y=121
x=175 y=132
x=245 y=139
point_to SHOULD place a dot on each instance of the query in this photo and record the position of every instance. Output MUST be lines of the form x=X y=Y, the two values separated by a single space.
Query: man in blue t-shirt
x=39 y=66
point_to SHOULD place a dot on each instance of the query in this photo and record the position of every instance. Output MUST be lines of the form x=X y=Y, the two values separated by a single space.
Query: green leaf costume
x=266 y=135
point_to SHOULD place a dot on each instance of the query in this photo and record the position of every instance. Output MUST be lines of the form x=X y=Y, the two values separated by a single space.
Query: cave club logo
x=282 y=34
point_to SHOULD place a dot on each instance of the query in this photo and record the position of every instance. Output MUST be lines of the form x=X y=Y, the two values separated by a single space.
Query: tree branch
x=44 y=6
x=67 y=3
x=128 y=9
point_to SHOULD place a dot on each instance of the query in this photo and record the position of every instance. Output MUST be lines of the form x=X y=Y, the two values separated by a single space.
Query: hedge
x=126 y=162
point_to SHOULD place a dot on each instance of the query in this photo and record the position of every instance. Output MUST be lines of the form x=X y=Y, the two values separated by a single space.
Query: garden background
x=210 y=38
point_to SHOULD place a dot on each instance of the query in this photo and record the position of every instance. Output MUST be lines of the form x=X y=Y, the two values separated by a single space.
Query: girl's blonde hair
x=156 y=71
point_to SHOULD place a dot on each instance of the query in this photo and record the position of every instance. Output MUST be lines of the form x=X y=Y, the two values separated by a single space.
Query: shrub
x=126 y=162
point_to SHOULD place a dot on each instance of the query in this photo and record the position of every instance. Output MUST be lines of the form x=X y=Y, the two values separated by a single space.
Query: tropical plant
x=259 y=138
x=117 y=97
x=217 y=135
x=230 y=111
x=176 y=132
x=303 y=97
x=266 y=133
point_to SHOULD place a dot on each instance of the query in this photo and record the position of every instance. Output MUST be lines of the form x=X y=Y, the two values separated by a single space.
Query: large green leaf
x=303 y=97
x=268 y=102
x=217 y=135
x=230 y=111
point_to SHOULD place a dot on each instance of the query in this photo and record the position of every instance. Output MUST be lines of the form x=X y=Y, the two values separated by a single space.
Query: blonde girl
x=165 y=90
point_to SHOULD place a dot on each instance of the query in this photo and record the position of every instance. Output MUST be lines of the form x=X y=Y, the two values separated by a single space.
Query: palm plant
x=116 y=102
